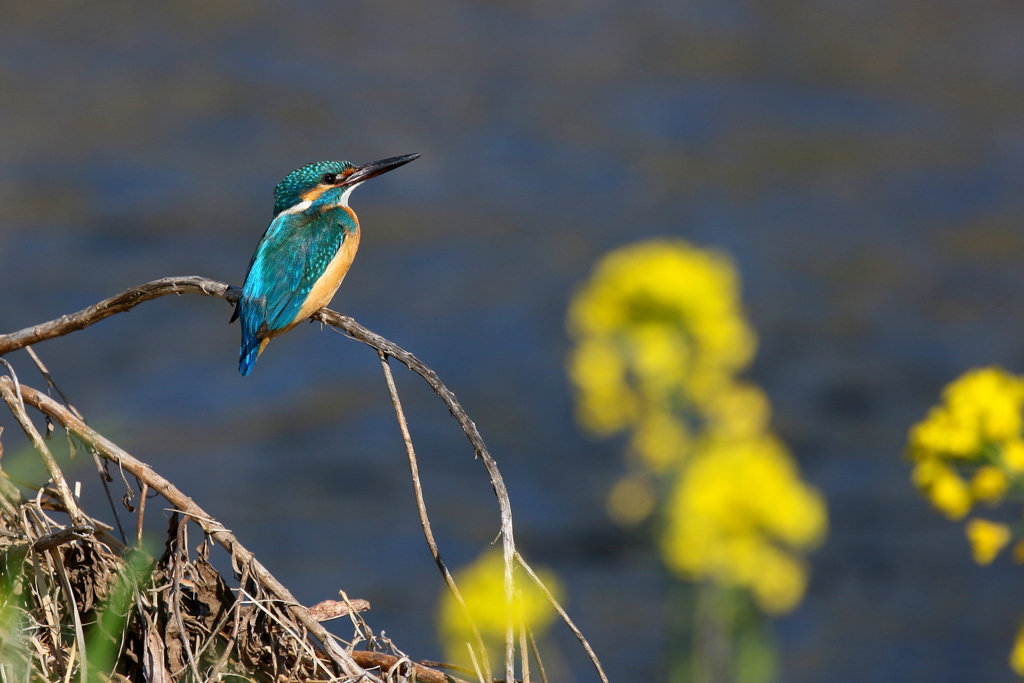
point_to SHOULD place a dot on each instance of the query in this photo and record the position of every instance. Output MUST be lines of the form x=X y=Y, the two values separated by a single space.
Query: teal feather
x=292 y=255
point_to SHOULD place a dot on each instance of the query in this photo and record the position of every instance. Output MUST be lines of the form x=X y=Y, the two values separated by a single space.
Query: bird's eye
x=330 y=178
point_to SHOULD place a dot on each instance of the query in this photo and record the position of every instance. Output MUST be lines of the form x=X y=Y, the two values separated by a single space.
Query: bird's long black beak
x=375 y=168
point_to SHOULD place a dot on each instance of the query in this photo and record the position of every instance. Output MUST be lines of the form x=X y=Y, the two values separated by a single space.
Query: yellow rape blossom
x=741 y=515
x=949 y=493
x=969 y=449
x=989 y=484
x=1012 y=454
x=982 y=407
x=482 y=585
x=979 y=422
x=987 y=539
x=659 y=323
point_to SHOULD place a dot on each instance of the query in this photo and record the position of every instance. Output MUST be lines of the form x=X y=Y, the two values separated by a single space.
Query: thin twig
x=101 y=470
x=51 y=383
x=421 y=508
x=15 y=403
x=71 y=658
x=476 y=665
x=524 y=652
x=225 y=538
x=565 y=617
x=73 y=608
x=536 y=656
x=17 y=384
x=144 y=489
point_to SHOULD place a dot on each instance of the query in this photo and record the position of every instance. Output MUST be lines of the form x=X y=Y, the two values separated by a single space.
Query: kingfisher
x=305 y=253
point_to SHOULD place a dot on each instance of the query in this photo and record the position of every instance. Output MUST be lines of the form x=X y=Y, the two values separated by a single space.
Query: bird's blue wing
x=291 y=257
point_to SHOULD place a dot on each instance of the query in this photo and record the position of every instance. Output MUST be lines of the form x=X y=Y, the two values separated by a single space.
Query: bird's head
x=309 y=182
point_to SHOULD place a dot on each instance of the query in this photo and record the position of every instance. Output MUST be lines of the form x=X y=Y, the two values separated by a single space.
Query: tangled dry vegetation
x=83 y=601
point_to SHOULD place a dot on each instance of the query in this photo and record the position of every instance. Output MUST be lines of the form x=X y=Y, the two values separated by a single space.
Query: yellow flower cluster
x=736 y=514
x=660 y=336
x=969 y=448
x=482 y=585
x=659 y=325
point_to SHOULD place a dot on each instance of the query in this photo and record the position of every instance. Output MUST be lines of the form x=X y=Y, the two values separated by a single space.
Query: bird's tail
x=248 y=355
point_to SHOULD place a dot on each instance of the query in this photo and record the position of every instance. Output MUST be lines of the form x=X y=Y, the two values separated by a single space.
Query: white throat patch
x=345 y=195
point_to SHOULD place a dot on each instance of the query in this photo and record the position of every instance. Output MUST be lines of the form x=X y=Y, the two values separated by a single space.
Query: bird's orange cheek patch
x=314 y=194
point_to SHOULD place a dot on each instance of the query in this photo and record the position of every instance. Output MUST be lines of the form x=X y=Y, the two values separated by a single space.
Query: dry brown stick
x=225 y=538
x=124 y=301
x=524 y=652
x=536 y=656
x=10 y=394
x=142 y=512
x=421 y=508
x=565 y=617
x=369 y=660
x=476 y=665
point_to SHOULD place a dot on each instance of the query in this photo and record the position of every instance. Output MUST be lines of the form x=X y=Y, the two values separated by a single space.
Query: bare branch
x=112 y=452
x=125 y=301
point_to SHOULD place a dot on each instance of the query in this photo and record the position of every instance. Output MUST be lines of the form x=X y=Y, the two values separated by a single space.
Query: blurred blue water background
x=861 y=160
